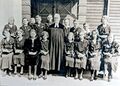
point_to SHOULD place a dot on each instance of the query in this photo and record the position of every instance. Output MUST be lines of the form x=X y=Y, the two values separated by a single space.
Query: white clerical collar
x=57 y=25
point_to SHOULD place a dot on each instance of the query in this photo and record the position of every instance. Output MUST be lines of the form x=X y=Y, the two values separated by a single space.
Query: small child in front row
x=69 y=54
x=44 y=55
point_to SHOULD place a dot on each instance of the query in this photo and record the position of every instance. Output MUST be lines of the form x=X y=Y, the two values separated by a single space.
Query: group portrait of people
x=38 y=49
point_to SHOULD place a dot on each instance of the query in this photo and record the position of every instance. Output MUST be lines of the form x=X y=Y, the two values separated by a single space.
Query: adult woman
x=25 y=28
x=66 y=29
x=103 y=30
x=11 y=27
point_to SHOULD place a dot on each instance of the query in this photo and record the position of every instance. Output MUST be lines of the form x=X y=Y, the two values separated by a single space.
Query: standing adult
x=49 y=21
x=25 y=28
x=38 y=25
x=56 y=43
x=32 y=23
x=11 y=27
x=103 y=30
x=66 y=23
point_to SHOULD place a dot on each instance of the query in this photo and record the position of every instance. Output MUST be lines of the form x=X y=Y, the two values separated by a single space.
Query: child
x=94 y=56
x=107 y=56
x=19 y=54
x=44 y=53
x=69 y=52
x=80 y=61
x=32 y=48
x=7 y=47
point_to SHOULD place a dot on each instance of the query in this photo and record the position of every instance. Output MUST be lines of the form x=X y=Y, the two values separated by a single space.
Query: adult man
x=56 y=43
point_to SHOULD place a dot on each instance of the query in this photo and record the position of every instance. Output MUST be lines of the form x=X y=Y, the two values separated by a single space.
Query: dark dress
x=111 y=61
x=30 y=46
x=76 y=32
x=26 y=30
x=105 y=31
x=7 y=56
x=39 y=28
x=66 y=32
x=33 y=26
x=69 y=57
x=94 y=56
x=56 y=46
x=47 y=24
x=107 y=59
x=12 y=29
x=45 y=58
x=19 y=57
x=81 y=47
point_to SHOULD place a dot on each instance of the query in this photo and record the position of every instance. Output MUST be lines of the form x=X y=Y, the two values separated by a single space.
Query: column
x=26 y=8
x=82 y=5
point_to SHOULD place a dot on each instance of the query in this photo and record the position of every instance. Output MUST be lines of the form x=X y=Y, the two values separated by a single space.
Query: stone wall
x=26 y=8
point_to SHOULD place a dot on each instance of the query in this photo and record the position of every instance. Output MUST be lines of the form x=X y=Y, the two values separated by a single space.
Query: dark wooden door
x=46 y=7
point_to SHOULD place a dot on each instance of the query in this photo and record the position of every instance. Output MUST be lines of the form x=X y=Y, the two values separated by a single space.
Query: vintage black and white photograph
x=59 y=42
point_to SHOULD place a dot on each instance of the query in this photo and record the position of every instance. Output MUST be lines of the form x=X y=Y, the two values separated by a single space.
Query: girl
x=80 y=61
x=19 y=54
x=44 y=53
x=94 y=56
x=69 y=53
x=32 y=48
x=7 y=47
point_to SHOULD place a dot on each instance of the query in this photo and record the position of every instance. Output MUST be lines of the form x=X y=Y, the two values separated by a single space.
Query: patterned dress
x=94 y=56
x=26 y=30
x=81 y=47
x=12 y=29
x=39 y=28
x=103 y=31
x=7 y=56
x=76 y=32
x=19 y=57
x=70 y=57
x=45 y=59
x=66 y=32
